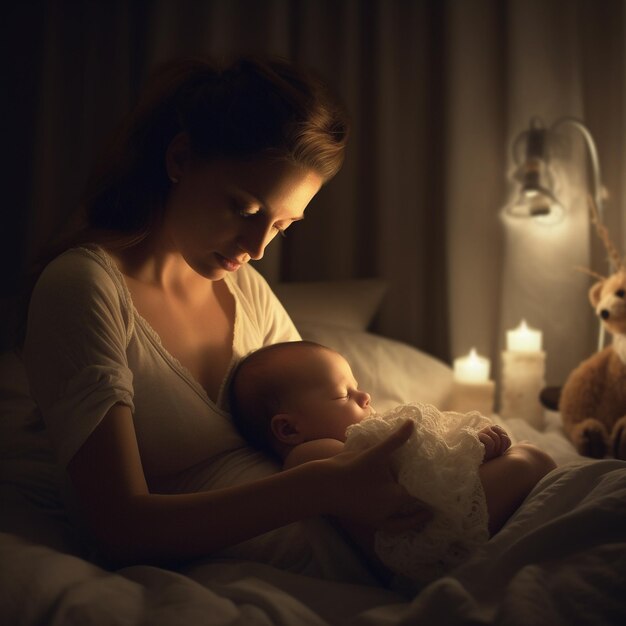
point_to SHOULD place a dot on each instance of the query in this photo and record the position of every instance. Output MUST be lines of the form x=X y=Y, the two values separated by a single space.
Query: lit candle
x=471 y=388
x=523 y=371
x=472 y=368
x=523 y=339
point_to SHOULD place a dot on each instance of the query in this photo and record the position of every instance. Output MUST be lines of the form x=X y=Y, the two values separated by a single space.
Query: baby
x=300 y=401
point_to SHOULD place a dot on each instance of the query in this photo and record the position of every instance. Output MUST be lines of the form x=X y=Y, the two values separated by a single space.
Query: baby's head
x=287 y=393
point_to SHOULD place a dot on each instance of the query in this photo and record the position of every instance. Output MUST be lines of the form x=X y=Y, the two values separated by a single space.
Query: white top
x=88 y=348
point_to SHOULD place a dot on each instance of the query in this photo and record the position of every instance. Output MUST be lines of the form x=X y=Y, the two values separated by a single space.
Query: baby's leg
x=509 y=478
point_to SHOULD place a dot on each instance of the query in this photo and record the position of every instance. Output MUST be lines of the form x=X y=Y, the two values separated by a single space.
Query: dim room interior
x=449 y=261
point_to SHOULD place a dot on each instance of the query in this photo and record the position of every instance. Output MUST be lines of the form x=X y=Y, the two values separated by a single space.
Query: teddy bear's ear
x=594 y=293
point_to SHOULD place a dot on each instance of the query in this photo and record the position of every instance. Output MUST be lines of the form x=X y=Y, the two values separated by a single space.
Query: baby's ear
x=285 y=429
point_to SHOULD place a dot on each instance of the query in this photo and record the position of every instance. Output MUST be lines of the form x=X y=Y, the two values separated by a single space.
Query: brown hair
x=252 y=108
x=257 y=387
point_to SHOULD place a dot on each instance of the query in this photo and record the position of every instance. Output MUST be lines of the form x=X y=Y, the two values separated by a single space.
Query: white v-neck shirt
x=87 y=348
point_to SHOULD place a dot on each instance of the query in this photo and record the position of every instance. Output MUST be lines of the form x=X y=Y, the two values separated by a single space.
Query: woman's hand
x=362 y=487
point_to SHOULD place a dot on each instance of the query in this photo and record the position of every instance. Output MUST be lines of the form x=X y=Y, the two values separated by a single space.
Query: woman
x=133 y=330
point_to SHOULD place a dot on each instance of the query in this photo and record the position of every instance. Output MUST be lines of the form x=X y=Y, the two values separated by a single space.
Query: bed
x=561 y=559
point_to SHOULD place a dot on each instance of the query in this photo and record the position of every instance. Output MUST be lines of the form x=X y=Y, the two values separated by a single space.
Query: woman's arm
x=134 y=525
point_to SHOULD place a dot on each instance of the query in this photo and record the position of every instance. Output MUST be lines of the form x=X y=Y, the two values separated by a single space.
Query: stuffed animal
x=593 y=399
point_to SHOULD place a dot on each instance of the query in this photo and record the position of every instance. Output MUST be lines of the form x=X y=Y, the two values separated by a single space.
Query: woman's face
x=221 y=214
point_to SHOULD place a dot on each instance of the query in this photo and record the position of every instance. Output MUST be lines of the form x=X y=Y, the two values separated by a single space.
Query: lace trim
x=439 y=466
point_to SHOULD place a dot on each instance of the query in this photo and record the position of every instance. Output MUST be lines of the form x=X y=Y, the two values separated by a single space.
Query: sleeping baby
x=299 y=400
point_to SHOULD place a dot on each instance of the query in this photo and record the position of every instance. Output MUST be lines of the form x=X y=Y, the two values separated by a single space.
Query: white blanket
x=560 y=560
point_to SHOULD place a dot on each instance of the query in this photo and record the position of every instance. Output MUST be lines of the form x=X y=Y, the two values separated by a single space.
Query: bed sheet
x=561 y=559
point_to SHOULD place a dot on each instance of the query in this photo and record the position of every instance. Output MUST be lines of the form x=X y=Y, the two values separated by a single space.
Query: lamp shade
x=536 y=198
x=536 y=202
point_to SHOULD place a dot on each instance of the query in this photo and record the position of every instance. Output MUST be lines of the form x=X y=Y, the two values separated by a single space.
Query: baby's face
x=328 y=398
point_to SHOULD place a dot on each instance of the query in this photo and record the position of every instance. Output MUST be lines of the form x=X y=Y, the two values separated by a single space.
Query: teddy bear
x=593 y=399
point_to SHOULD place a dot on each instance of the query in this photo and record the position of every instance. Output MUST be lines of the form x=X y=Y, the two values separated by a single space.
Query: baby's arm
x=495 y=440
x=312 y=451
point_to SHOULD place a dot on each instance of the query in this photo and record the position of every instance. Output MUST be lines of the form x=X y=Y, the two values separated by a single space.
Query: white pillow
x=345 y=303
x=392 y=372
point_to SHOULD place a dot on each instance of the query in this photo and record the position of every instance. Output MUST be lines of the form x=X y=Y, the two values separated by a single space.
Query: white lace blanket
x=439 y=466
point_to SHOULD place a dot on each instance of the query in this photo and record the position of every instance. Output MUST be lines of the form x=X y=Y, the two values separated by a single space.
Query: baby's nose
x=365 y=398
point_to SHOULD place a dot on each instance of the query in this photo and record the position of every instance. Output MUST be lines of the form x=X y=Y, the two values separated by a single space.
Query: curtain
x=437 y=90
x=508 y=62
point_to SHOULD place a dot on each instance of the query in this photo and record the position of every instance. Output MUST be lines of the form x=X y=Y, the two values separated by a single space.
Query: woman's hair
x=249 y=109
x=258 y=386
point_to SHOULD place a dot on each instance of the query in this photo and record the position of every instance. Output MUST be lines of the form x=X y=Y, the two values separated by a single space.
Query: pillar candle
x=471 y=388
x=472 y=368
x=523 y=339
x=523 y=372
